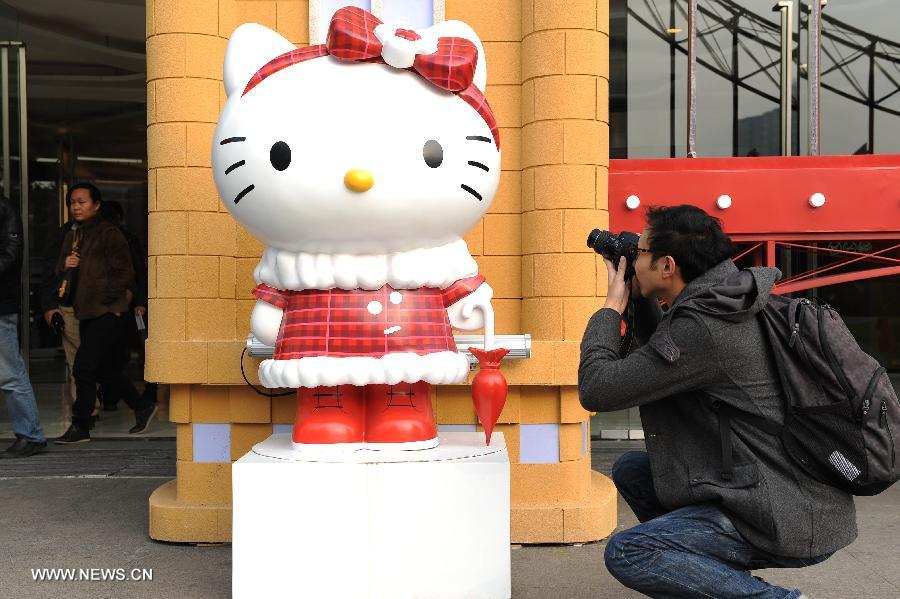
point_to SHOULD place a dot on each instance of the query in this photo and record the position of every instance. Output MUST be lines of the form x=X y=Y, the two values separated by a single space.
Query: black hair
x=691 y=236
x=96 y=196
x=113 y=212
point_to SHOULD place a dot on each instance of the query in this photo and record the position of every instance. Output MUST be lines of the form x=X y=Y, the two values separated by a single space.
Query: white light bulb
x=633 y=202
x=817 y=200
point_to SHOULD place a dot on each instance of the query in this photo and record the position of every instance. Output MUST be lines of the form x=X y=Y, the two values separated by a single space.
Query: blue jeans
x=16 y=386
x=694 y=551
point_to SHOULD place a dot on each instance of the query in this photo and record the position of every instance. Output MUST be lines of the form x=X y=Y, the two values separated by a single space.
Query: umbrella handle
x=487 y=310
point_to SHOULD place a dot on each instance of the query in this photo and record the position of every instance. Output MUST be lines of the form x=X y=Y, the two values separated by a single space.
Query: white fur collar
x=426 y=267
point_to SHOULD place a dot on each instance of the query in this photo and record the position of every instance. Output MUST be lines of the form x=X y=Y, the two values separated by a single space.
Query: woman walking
x=95 y=266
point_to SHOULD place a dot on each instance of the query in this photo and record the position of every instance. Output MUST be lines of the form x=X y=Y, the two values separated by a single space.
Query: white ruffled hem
x=438 y=368
x=426 y=267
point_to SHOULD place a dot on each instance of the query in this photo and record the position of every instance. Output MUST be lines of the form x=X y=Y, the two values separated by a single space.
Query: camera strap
x=628 y=338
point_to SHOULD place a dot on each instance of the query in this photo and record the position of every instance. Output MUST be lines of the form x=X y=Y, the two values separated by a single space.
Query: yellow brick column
x=496 y=242
x=191 y=247
x=201 y=264
x=564 y=165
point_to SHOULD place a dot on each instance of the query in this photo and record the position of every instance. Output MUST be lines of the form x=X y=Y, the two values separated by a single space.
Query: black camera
x=58 y=324
x=613 y=247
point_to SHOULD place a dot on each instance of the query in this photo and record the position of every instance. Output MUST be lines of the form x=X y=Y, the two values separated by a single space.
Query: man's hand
x=72 y=261
x=48 y=316
x=618 y=291
x=140 y=310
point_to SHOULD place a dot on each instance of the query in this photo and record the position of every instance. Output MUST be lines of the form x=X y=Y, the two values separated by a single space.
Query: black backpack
x=842 y=421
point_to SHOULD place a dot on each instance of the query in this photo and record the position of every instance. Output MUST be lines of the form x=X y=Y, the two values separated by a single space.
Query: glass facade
x=738 y=78
x=739 y=113
x=87 y=106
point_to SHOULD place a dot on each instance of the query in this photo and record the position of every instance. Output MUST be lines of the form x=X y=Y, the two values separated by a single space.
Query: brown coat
x=105 y=271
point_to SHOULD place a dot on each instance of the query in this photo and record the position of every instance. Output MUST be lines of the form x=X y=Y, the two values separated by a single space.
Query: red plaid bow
x=351 y=36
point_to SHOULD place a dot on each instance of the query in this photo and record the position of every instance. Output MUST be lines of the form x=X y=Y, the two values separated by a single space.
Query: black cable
x=249 y=384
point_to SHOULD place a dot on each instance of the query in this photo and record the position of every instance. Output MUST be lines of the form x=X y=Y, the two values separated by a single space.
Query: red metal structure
x=843 y=211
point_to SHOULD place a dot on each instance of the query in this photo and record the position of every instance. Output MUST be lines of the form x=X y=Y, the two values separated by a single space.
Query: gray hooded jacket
x=710 y=347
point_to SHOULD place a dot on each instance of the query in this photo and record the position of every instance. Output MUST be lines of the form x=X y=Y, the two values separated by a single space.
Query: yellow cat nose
x=359 y=180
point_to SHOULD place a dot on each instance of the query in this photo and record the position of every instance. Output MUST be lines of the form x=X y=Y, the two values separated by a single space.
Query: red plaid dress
x=348 y=323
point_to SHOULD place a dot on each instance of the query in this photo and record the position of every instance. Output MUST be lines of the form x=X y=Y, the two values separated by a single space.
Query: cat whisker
x=471 y=163
x=229 y=140
x=479 y=138
x=472 y=191
x=244 y=192
x=237 y=164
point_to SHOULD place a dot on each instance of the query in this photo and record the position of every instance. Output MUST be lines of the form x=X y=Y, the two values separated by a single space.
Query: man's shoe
x=23 y=448
x=75 y=434
x=142 y=419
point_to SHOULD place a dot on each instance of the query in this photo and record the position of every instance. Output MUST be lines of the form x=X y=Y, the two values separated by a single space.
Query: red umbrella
x=489 y=388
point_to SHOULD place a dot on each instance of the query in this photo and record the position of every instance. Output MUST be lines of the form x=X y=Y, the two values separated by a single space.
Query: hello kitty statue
x=361 y=163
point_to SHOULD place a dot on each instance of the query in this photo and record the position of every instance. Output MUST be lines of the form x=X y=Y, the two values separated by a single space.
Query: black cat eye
x=280 y=156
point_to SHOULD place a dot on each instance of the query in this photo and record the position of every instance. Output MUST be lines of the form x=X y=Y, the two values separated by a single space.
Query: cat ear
x=460 y=29
x=250 y=47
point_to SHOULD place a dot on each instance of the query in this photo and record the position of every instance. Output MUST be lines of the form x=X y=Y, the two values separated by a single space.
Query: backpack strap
x=726 y=413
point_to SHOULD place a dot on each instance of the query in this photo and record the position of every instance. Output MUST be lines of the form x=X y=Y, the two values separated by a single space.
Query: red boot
x=400 y=414
x=327 y=415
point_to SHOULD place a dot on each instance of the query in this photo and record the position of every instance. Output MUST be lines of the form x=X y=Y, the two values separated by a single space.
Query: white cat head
x=283 y=149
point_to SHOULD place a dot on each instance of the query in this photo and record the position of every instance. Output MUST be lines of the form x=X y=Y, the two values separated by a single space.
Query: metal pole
x=60 y=190
x=692 y=80
x=814 y=74
x=735 y=89
x=672 y=79
x=4 y=102
x=786 y=7
x=71 y=163
x=802 y=70
x=24 y=185
x=871 y=99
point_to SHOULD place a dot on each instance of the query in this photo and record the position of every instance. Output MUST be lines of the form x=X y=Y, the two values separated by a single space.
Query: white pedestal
x=430 y=524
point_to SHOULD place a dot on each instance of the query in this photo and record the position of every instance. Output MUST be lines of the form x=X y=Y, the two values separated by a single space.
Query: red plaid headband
x=351 y=37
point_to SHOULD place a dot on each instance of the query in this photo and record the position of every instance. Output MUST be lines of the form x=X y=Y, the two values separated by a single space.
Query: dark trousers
x=694 y=551
x=100 y=360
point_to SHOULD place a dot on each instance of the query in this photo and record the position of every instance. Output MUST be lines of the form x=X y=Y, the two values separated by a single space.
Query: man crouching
x=704 y=526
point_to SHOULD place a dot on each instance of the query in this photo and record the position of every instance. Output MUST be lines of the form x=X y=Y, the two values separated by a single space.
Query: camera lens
x=604 y=243
x=599 y=240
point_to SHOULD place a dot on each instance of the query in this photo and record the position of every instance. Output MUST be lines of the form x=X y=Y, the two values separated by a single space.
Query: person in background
x=102 y=278
x=114 y=213
x=14 y=382
x=65 y=324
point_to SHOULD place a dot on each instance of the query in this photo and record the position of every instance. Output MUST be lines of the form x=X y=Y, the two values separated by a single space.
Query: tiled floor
x=86 y=507
x=48 y=377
